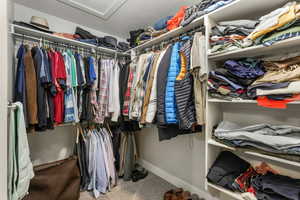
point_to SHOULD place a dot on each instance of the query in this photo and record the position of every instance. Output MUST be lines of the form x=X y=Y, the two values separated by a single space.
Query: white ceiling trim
x=103 y=15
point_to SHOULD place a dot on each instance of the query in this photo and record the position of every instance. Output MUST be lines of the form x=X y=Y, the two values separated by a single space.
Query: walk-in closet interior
x=150 y=100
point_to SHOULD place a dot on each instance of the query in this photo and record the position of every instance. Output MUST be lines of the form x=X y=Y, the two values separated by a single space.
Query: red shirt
x=59 y=75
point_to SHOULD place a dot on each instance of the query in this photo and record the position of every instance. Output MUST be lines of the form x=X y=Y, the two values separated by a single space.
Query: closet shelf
x=234 y=195
x=227 y=12
x=39 y=34
x=241 y=101
x=170 y=34
x=256 y=154
x=255 y=51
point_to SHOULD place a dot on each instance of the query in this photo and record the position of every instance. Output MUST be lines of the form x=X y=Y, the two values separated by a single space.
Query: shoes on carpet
x=180 y=194
x=139 y=174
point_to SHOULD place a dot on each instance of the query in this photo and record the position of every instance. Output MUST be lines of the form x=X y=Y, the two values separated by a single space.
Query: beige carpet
x=150 y=188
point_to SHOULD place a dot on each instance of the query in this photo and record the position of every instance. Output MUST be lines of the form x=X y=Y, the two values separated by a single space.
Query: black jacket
x=162 y=75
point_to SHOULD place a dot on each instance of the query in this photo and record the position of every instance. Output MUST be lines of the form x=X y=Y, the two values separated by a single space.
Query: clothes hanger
x=23 y=39
x=109 y=130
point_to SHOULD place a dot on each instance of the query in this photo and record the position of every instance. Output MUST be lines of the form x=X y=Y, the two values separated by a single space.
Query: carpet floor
x=150 y=188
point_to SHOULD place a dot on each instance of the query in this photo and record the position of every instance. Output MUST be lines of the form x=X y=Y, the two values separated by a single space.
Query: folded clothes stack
x=278 y=139
x=280 y=24
x=233 y=79
x=280 y=84
x=273 y=82
x=123 y=46
x=183 y=17
x=148 y=35
x=141 y=36
x=106 y=41
x=260 y=182
x=202 y=8
x=230 y=35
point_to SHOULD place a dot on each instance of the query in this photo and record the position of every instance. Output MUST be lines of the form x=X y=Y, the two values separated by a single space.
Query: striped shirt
x=185 y=102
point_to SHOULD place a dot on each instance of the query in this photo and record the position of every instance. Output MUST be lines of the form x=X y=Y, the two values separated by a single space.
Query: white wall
x=23 y=13
x=180 y=160
x=4 y=40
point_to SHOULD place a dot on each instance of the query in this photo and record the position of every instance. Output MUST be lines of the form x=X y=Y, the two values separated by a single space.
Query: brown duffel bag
x=58 y=180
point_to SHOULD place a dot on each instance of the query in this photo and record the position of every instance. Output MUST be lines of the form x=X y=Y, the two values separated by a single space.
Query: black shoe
x=138 y=175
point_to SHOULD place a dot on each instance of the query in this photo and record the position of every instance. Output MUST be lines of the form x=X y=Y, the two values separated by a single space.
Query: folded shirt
x=275 y=20
x=292 y=73
x=281 y=64
x=292 y=88
x=251 y=91
x=277 y=136
x=226 y=168
x=282 y=35
x=245 y=68
x=276 y=187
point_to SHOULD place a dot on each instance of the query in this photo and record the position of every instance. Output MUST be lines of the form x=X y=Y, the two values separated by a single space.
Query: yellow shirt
x=284 y=19
x=183 y=70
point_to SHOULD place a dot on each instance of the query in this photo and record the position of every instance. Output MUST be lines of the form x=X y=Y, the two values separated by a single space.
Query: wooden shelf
x=39 y=34
x=234 y=195
x=260 y=155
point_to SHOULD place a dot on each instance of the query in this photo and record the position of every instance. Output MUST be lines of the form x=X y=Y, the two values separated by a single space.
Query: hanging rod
x=169 y=36
x=20 y=31
x=41 y=40
x=162 y=43
x=80 y=49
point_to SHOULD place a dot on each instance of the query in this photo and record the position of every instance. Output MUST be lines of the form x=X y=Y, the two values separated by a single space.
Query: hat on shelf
x=37 y=23
x=40 y=23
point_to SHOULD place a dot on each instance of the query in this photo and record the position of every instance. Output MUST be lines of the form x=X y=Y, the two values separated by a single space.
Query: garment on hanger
x=96 y=158
x=69 y=87
x=165 y=86
x=31 y=88
x=20 y=170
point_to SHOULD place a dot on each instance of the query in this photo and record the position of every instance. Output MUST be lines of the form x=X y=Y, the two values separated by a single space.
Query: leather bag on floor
x=59 y=180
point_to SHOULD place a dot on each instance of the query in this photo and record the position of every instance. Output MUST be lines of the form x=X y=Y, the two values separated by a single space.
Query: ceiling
x=116 y=17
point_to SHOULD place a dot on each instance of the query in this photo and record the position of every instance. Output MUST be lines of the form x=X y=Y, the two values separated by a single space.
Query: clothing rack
x=47 y=43
x=160 y=45
x=46 y=38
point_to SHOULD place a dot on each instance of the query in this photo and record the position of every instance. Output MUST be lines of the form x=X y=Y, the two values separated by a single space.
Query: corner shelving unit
x=246 y=112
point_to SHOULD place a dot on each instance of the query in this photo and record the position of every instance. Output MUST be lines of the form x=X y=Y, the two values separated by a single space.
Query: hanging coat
x=170 y=102
x=20 y=170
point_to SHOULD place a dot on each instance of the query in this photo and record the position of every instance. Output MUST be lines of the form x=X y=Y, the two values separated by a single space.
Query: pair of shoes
x=177 y=194
x=139 y=174
x=172 y=194
x=180 y=194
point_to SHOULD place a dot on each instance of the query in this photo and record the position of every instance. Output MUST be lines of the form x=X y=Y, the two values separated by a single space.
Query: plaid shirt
x=139 y=87
x=103 y=91
x=128 y=91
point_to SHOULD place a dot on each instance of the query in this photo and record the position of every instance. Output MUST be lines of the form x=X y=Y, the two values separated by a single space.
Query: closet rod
x=173 y=39
x=98 y=49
